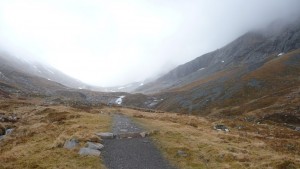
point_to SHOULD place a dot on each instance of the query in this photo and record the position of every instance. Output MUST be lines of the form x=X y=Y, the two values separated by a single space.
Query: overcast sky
x=114 y=42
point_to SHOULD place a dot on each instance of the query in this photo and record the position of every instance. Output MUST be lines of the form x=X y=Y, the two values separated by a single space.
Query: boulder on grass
x=144 y=134
x=70 y=144
x=9 y=131
x=95 y=146
x=89 y=152
x=221 y=127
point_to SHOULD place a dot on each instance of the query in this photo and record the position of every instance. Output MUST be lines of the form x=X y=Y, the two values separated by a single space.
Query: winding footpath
x=132 y=152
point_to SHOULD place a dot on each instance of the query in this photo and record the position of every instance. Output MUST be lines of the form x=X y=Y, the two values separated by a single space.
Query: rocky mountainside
x=17 y=77
x=20 y=77
x=24 y=78
x=15 y=64
x=249 y=51
x=255 y=75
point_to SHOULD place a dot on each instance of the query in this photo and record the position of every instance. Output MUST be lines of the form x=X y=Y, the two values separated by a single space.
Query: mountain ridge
x=252 y=49
x=35 y=68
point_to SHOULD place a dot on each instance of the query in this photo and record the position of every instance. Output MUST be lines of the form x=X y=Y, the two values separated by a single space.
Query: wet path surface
x=131 y=153
x=122 y=124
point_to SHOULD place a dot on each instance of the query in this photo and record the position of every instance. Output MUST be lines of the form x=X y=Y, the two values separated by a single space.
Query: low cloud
x=110 y=43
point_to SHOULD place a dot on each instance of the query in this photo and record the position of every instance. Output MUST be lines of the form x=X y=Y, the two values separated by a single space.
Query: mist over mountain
x=251 y=49
x=11 y=63
x=244 y=76
x=117 y=43
x=150 y=84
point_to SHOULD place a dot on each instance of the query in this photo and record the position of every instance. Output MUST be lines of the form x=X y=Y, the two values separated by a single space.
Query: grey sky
x=115 y=42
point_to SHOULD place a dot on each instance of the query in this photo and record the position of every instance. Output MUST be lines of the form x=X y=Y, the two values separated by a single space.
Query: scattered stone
x=240 y=127
x=70 y=144
x=221 y=127
x=9 y=131
x=143 y=134
x=105 y=135
x=88 y=151
x=95 y=146
x=182 y=153
x=10 y=118
x=297 y=129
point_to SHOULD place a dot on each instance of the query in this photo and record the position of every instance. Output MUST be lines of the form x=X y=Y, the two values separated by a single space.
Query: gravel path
x=122 y=124
x=133 y=153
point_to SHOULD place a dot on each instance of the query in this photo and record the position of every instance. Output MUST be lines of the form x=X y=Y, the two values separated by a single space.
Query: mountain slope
x=257 y=74
x=19 y=77
x=231 y=90
x=250 y=51
x=37 y=69
x=16 y=79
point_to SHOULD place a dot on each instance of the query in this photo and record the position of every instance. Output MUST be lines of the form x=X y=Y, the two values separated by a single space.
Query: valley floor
x=189 y=142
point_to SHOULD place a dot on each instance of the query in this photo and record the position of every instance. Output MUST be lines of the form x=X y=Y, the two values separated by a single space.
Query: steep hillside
x=277 y=78
x=249 y=52
x=22 y=78
x=256 y=75
x=15 y=81
x=33 y=68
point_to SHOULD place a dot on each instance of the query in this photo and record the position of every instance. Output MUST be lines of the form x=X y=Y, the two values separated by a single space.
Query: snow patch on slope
x=201 y=69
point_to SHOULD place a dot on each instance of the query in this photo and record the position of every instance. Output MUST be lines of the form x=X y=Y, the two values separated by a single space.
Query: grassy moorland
x=39 y=134
x=41 y=130
x=247 y=145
